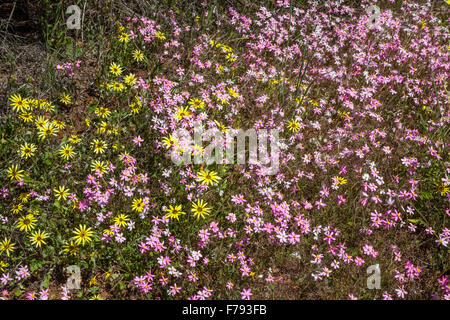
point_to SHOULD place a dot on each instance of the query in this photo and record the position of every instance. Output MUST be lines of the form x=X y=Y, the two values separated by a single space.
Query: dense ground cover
x=87 y=178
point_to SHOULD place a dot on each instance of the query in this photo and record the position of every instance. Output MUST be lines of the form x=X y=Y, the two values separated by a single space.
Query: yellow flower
x=61 y=192
x=124 y=37
x=443 y=189
x=174 y=212
x=124 y=156
x=3 y=265
x=207 y=177
x=160 y=35
x=121 y=220
x=230 y=57
x=200 y=209
x=26 y=223
x=18 y=103
x=38 y=238
x=93 y=281
x=99 y=146
x=65 y=99
x=47 y=130
x=24 y=197
x=74 y=139
x=169 y=141
x=59 y=124
x=102 y=127
x=49 y=107
x=115 y=69
x=130 y=79
x=66 y=152
x=7 y=246
x=40 y=122
x=197 y=150
x=233 y=92
x=219 y=68
x=227 y=48
x=138 y=205
x=138 y=101
x=293 y=125
x=117 y=86
x=17 y=208
x=14 y=173
x=71 y=248
x=82 y=235
x=26 y=117
x=182 y=112
x=135 y=108
x=75 y=204
x=340 y=180
x=197 y=103
x=99 y=166
x=27 y=150
x=138 y=55
x=41 y=103
x=220 y=126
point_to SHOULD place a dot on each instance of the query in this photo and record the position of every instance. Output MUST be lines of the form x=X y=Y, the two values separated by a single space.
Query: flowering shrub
x=362 y=114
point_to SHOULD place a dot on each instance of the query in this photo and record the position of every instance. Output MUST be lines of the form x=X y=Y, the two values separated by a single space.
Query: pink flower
x=246 y=294
x=174 y=289
x=138 y=141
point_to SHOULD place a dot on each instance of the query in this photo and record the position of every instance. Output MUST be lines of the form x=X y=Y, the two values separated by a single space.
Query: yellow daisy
x=71 y=248
x=130 y=79
x=115 y=69
x=200 y=209
x=67 y=152
x=7 y=246
x=61 y=193
x=99 y=146
x=65 y=99
x=38 y=238
x=121 y=220
x=26 y=223
x=27 y=150
x=207 y=177
x=82 y=235
x=14 y=173
x=138 y=55
x=174 y=212
x=138 y=205
x=293 y=125
x=18 y=103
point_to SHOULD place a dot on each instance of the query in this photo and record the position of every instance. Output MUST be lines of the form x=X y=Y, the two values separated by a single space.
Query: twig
x=7 y=22
x=82 y=22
